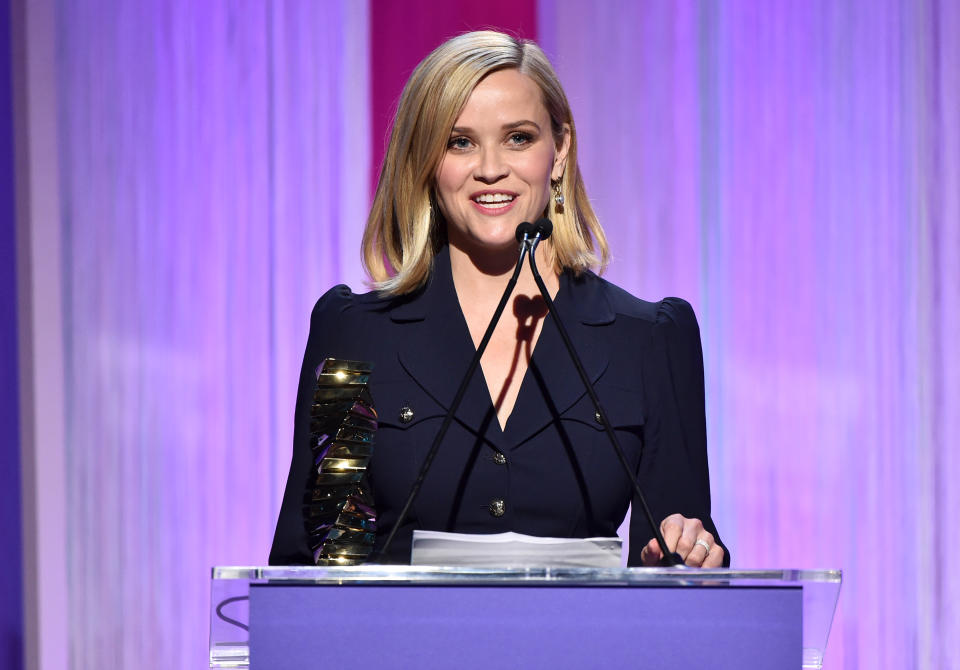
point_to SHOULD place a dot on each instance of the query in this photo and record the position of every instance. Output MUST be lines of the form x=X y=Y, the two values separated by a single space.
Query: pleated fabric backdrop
x=214 y=163
x=792 y=169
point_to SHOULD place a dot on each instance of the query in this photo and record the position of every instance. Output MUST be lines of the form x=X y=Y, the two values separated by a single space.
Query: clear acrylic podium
x=416 y=616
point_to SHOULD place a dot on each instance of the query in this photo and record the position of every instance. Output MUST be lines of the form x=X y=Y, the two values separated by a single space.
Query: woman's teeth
x=494 y=200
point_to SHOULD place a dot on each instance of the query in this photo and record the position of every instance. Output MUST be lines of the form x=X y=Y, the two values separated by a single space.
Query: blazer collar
x=437 y=294
x=440 y=349
x=588 y=302
x=437 y=348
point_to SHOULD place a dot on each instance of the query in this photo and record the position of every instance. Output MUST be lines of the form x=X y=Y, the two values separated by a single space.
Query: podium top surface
x=528 y=576
x=231 y=588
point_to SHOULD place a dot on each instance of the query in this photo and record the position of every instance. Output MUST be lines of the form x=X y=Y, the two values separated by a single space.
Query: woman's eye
x=520 y=138
x=458 y=143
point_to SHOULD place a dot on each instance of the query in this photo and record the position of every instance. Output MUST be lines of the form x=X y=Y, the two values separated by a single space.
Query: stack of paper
x=513 y=550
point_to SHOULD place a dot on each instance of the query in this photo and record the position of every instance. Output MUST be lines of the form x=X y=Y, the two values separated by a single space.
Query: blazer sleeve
x=673 y=470
x=290 y=537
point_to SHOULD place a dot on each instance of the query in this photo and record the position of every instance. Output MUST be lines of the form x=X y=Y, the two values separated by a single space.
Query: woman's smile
x=494 y=203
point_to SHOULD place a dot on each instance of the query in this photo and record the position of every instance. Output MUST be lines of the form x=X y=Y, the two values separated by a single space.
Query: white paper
x=514 y=550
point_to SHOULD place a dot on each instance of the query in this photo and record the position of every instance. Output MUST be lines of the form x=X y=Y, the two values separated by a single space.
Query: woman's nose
x=491 y=168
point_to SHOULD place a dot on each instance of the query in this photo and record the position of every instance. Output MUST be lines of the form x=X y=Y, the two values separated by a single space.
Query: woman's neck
x=480 y=278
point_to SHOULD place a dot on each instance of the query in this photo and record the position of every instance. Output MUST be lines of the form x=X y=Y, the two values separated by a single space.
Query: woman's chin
x=499 y=244
x=500 y=239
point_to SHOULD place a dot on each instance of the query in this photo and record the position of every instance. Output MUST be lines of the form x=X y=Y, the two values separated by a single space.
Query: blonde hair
x=403 y=231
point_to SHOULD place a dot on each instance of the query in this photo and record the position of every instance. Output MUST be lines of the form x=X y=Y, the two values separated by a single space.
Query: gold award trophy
x=338 y=507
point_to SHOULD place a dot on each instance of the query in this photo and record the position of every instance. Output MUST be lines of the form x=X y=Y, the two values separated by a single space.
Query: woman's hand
x=688 y=538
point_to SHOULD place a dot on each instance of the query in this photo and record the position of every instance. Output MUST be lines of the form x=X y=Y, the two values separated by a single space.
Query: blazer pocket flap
x=624 y=409
x=403 y=404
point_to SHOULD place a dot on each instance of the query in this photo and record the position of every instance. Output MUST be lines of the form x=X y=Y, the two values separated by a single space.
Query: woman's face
x=499 y=162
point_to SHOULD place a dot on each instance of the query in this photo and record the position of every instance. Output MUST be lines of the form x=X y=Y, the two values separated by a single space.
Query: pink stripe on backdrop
x=403 y=33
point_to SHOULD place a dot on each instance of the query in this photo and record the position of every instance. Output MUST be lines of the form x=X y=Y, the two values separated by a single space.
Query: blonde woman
x=482 y=141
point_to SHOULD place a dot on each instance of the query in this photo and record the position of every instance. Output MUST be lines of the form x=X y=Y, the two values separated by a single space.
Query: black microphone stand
x=543 y=228
x=524 y=231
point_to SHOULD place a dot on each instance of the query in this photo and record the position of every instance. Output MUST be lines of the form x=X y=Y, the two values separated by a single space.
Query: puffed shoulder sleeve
x=290 y=538
x=673 y=468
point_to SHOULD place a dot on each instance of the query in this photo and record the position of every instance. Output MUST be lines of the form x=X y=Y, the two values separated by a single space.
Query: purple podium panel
x=468 y=626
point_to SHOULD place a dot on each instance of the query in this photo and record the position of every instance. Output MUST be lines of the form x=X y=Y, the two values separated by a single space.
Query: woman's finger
x=702 y=547
x=672 y=529
x=715 y=558
x=650 y=555
x=688 y=538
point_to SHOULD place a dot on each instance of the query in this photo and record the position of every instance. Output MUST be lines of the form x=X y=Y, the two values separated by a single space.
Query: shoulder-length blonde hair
x=403 y=231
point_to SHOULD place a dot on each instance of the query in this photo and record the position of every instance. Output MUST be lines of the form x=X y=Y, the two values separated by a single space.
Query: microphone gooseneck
x=525 y=231
x=542 y=230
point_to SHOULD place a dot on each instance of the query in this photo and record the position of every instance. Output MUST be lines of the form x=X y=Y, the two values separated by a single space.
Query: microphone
x=525 y=231
x=542 y=229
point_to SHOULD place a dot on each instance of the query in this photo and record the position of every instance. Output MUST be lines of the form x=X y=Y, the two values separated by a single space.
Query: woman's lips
x=494 y=208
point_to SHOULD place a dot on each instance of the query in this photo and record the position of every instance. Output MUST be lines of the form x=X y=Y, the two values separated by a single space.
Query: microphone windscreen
x=543 y=226
x=524 y=229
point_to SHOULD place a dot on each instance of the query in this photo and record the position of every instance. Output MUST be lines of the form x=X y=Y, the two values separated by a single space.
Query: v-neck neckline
x=479 y=376
x=437 y=348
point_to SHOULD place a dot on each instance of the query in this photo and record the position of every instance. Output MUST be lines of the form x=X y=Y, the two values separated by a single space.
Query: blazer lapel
x=440 y=349
x=552 y=384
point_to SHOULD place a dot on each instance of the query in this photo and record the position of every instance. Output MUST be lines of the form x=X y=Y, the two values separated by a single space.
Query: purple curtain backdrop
x=790 y=168
x=793 y=169
x=214 y=160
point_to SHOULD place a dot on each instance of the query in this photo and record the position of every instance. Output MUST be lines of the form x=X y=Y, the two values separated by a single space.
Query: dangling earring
x=557 y=196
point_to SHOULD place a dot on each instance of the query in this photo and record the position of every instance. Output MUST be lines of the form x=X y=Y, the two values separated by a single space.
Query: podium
x=381 y=616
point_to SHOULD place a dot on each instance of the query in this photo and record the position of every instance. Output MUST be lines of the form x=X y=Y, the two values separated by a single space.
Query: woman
x=484 y=140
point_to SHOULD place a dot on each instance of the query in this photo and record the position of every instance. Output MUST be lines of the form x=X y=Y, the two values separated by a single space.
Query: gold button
x=498 y=507
x=499 y=458
x=406 y=414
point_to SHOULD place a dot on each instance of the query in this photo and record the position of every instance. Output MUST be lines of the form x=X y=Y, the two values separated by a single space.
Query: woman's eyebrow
x=517 y=124
x=507 y=126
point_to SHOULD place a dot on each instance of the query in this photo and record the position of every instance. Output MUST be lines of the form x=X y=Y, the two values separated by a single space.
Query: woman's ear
x=560 y=160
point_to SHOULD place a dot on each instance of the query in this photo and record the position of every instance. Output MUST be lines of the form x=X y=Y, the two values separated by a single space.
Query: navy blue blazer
x=552 y=466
